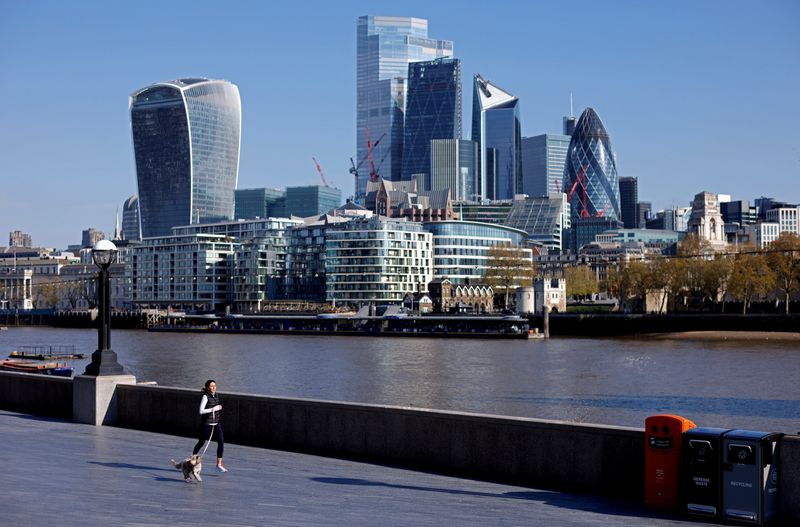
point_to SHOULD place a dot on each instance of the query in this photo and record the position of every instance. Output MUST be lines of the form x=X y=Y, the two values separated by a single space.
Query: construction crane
x=321 y=175
x=354 y=168
x=582 y=180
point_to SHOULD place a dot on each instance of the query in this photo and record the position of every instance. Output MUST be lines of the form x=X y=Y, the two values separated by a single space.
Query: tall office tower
x=570 y=121
x=453 y=164
x=590 y=176
x=543 y=160
x=130 y=219
x=186 y=143
x=311 y=200
x=433 y=111
x=252 y=203
x=385 y=46
x=19 y=239
x=569 y=124
x=629 y=197
x=496 y=129
x=643 y=213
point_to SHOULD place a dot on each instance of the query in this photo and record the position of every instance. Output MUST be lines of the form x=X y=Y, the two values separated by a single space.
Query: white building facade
x=377 y=260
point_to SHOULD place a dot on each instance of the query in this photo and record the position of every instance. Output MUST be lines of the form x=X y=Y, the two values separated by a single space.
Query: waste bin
x=750 y=476
x=662 y=458
x=701 y=473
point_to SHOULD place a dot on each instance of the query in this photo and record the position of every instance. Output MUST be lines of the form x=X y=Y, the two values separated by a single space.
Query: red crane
x=582 y=180
x=321 y=175
x=373 y=175
x=354 y=168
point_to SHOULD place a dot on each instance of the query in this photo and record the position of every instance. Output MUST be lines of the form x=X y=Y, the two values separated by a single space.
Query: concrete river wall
x=602 y=460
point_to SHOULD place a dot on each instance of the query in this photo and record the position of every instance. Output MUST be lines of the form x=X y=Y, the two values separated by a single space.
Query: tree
x=713 y=277
x=46 y=294
x=666 y=274
x=694 y=251
x=631 y=281
x=783 y=257
x=508 y=267
x=750 y=278
x=72 y=293
x=581 y=281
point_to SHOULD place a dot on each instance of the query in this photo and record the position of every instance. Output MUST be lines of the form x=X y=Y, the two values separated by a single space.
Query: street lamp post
x=104 y=360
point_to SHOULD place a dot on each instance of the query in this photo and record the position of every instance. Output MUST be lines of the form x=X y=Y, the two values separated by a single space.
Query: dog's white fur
x=191 y=467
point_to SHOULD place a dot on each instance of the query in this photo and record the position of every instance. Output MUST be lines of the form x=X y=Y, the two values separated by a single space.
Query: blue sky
x=697 y=95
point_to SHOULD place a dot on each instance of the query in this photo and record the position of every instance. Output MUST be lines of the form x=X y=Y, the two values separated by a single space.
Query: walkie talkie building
x=590 y=174
x=186 y=136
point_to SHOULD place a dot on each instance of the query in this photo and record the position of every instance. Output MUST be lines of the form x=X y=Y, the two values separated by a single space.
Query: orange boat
x=59 y=369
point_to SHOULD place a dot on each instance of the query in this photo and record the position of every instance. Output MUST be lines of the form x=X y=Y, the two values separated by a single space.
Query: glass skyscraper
x=186 y=136
x=130 y=219
x=496 y=129
x=452 y=165
x=385 y=47
x=543 y=160
x=590 y=176
x=629 y=197
x=433 y=111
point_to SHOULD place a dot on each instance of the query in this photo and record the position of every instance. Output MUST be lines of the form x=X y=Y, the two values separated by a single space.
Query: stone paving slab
x=62 y=473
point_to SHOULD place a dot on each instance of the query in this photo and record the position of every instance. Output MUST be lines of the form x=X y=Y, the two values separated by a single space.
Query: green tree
x=783 y=257
x=508 y=267
x=666 y=275
x=632 y=281
x=750 y=278
x=713 y=277
x=581 y=281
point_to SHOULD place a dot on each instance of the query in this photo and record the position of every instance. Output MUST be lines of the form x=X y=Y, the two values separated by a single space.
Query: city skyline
x=695 y=99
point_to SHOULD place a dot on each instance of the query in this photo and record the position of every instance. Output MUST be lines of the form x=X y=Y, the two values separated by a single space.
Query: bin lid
x=706 y=431
x=752 y=435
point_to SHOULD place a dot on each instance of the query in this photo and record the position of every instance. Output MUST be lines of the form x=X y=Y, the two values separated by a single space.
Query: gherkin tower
x=590 y=173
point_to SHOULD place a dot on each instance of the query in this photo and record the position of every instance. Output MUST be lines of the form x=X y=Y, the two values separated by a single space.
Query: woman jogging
x=211 y=422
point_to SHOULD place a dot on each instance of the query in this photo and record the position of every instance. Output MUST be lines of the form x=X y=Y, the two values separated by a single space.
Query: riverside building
x=189 y=272
x=377 y=260
x=186 y=136
x=461 y=248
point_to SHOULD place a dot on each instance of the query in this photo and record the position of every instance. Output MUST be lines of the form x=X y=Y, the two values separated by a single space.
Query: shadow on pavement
x=34 y=417
x=130 y=466
x=556 y=499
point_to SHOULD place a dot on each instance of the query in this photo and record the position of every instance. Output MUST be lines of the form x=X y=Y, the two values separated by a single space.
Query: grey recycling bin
x=702 y=471
x=750 y=476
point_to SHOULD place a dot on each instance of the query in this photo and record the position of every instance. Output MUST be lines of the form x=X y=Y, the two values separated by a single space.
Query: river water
x=736 y=384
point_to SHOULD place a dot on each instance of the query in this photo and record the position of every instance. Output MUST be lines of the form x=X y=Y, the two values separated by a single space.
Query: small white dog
x=191 y=466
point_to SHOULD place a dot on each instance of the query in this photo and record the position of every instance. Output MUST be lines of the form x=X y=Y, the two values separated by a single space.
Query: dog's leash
x=208 y=442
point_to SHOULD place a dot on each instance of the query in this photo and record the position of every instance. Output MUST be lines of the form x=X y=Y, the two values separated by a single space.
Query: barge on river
x=453 y=326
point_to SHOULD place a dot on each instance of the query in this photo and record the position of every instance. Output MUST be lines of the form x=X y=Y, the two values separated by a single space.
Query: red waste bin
x=662 y=457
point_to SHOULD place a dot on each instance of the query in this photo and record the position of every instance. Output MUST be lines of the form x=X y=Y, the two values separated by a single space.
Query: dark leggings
x=205 y=433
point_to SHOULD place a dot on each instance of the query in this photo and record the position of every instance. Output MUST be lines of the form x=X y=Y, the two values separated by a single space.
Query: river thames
x=752 y=384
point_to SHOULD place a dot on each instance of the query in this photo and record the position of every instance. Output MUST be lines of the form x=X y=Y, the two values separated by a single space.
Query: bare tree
x=508 y=267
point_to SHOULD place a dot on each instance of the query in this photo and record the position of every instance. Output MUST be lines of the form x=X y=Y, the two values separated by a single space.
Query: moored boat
x=59 y=369
x=46 y=353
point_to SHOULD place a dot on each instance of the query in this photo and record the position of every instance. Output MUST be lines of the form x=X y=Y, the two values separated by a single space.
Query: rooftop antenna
x=570 y=106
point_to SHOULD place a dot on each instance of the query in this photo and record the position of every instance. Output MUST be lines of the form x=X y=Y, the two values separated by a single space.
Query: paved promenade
x=61 y=473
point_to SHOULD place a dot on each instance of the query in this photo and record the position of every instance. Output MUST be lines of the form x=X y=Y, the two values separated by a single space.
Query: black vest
x=213 y=417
